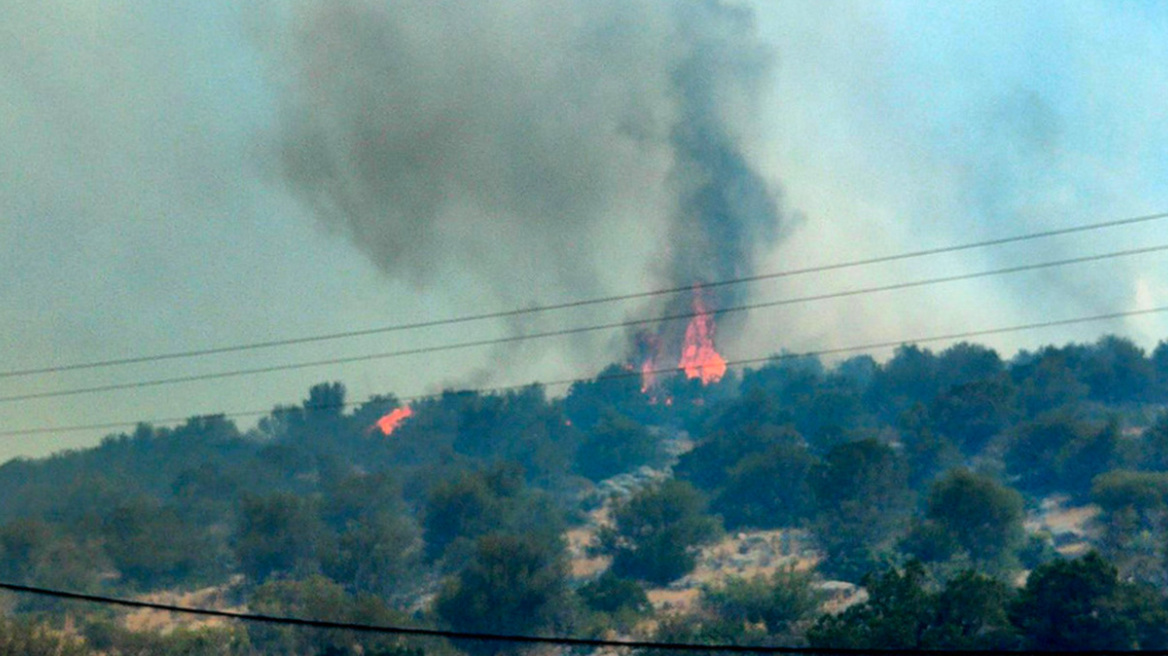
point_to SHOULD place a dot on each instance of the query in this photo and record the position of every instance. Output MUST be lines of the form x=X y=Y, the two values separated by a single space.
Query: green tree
x=767 y=489
x=34 y=552
x=965 y=363
x=377 y=548
x=970 y=612
x=971 y=515
x=909 y=377
x=279 y=534
x=611 y=594
x=469 y=504
x=30 y=638
x=778 y=601
x=152 y=547
x=1047 y=381
x=896 y=615
x=512 y=584
x=656 y=532
x=927 y=452
x=319 y=598
x=1061 y=453
x=747 y=427
x=1134 y=516
x=1081 y=605
x=615 y=444
x=1152 y=450
x=1116 y=370
x=615 y=602
x=971 y=414
x=862 y=503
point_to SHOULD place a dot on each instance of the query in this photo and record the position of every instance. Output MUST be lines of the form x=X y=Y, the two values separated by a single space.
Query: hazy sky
x=188 y=175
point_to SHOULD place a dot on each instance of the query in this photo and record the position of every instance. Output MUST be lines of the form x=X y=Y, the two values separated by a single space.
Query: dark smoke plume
x=545 y=145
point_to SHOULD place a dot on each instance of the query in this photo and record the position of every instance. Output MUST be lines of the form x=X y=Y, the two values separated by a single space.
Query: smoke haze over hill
x=224 y=173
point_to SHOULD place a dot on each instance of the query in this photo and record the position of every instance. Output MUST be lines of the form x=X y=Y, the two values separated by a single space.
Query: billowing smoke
x=574 y=146
x=429 y=131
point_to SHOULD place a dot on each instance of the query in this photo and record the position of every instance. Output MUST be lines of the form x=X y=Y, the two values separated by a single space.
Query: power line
x=582 y=302
x=573 y=331
x=872 y=346
x=520 y=638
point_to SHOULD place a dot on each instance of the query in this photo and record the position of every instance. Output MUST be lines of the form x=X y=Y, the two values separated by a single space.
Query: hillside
x=742 y=509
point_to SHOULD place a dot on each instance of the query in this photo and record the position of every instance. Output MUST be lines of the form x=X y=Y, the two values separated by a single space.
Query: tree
x=616 y=602
x=1074 y=605
x=512 y=584
x=319 y=598
x=1088 y=456
x=736 y=434
x=862 y=500
x=972 y=515
x=909 y=377
x=1047 y=381
x=971 y=612
x=897 y=612
x=1036 y=449
x=971 y=414
x=777 y=601
x=656 y=531
x=611 y=594
x=34 y=552
x=1159 y=363
x=614 y=445
x=470 y=504
x=152 y=547
x=377 y=547
x=1135 y=522
x=277 y=534
x=1116 y=370
x=767 y=489
x=965 y=363
x=901 y=613
x=22 y=636
x=613 y=390
x=1152 y=450
x=927 y=452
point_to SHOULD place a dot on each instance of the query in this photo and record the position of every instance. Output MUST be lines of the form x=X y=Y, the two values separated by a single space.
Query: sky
x=179 y=176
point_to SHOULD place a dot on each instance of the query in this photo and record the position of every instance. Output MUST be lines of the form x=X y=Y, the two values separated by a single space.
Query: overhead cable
x=572 y=331
x=432 y=323
x=565 y=641
x=872 y=346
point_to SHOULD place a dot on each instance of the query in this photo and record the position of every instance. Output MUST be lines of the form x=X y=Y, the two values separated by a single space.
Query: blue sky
x=141 y=210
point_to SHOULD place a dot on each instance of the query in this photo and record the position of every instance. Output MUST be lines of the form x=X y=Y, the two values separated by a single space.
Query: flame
x=699 y=359
x=649 y=346
x=390 y=422
x=648 y=376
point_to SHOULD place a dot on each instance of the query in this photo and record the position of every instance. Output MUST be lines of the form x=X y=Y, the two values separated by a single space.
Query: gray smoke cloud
x=563 y=145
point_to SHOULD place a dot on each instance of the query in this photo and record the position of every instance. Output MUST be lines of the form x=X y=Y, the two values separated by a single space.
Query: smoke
x=543 y=147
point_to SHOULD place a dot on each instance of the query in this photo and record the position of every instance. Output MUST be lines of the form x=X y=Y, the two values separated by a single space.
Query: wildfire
x=648 y=376
x=390 y=422
x=699 y=359
x=649 y=347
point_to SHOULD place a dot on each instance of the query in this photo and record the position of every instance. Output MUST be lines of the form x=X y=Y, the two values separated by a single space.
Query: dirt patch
x=680 y=602
x=145 y=619
x=1072 y=528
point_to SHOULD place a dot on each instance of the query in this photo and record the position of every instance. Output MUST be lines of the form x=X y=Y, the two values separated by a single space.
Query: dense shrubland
x=913 y=477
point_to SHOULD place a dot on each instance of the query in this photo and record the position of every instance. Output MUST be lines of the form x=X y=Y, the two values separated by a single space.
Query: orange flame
x=390 y=422
x=649 y=347
x=699 y=359
x=648 y=376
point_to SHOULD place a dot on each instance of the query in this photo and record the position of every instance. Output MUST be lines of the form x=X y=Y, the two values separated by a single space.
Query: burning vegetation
x=692 y=352
x=392 y=421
